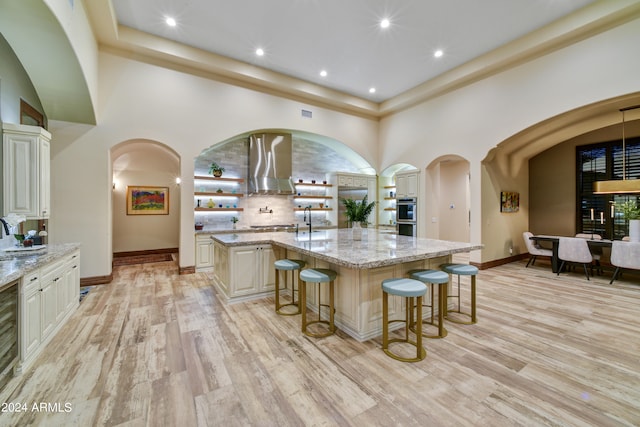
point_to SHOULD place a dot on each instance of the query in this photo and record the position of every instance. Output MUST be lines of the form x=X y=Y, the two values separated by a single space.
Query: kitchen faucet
x=6 y=227
x=305 y=218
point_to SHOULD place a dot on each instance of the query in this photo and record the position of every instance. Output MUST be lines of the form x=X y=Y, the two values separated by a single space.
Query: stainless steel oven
x=406 y=210
x=8 y=330
x=407 y=229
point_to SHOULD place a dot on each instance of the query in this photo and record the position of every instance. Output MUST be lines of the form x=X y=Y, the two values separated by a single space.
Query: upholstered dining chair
x=595 y=251
x=575 y=250
x=624 y=255
x=534 y=249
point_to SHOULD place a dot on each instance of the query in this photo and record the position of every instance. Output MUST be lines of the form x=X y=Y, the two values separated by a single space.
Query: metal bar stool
x=410 y=289
x=462 y=270
x=431 y=278
x=287 y=265
x=317 y=275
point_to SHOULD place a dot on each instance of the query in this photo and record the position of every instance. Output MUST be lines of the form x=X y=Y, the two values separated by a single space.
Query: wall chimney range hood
x=270 y=161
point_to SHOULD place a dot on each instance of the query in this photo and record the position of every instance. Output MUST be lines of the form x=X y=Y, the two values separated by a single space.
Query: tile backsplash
x=310 y=161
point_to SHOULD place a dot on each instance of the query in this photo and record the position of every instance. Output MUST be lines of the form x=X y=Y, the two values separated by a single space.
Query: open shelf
x=302 y=196
x=389 y=209
x=389 y=186
x=216 y=194
x=219 y=209
x=213 y=178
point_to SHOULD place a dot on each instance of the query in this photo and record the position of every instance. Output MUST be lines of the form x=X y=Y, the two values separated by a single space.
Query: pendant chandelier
x=624 y=185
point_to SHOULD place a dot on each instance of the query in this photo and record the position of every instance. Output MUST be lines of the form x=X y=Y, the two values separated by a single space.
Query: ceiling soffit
x=584 y=23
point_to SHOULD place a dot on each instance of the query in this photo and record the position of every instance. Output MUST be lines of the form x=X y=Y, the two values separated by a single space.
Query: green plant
x=358 y=211
x=630 y=210
x=215 y=168
x=234 y=219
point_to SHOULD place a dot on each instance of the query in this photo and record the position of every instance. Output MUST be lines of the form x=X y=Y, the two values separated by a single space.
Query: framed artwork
x=509 y=201
x=147 y=200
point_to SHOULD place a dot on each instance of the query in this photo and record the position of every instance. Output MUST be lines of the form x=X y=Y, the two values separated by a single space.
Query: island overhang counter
x=243 y=268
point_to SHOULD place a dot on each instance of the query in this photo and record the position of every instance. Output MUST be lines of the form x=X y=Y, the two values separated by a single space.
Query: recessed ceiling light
x=372 y=90
x=385 y=23
x=323 y=73
x=170 y=21
x=259 y=52
x=438 y=53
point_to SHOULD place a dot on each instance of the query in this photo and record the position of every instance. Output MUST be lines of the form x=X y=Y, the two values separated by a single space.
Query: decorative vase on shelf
x=356 y=231
x=634 y=230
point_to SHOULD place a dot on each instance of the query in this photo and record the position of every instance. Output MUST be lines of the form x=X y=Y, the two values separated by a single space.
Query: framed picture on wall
x=145 y=200
x=509 y=201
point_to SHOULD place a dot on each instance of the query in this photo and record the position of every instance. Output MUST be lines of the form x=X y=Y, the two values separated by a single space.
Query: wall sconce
x=114 y=185
x=178 y=180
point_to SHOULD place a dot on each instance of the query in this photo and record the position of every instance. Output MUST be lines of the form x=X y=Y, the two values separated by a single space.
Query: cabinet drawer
x=30 y=282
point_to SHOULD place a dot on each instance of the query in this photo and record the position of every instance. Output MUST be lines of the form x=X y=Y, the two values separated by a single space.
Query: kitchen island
x=243 y=268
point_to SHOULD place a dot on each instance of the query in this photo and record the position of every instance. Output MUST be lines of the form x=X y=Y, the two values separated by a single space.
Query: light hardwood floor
x=159 y=349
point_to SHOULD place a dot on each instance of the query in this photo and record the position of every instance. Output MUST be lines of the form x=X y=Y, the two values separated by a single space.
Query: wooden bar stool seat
x=431 y=278
x=462 y=270
x=317 y=275
x=285 y=265
x=409 y=289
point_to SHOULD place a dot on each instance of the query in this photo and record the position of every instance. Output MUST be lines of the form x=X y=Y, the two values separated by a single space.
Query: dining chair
x=534 y=249
x=595 y=251
x=574 y=250
x=624 y=255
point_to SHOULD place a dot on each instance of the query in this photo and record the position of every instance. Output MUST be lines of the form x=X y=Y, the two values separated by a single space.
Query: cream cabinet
x=407 y=184
x=252 y=270
x=204 y=252
x=48 y=296
x=244 y=272
x=26 y=164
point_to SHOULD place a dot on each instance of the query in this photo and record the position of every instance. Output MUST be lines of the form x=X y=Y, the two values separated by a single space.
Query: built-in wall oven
x=406 y=217
x=8 y=330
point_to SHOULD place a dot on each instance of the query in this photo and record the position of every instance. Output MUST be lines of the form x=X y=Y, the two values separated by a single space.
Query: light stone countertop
x=14 y=265
x=336 y=246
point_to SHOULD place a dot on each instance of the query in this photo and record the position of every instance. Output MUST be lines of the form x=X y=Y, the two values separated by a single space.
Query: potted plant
x=216 y=170
x=234 y=219
x=631 y=212
x=357 y=213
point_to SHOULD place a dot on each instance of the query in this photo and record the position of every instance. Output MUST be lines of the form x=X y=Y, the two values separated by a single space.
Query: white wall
x=183 y=112
x=470 y=121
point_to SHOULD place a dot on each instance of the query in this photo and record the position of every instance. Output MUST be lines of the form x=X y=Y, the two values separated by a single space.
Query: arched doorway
x=145 y=163
x=448 y=203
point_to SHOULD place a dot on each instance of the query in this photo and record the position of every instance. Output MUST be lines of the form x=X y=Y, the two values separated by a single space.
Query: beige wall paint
x=183 y=112
x=189 y=113
x=472 y=120
x=552 y=187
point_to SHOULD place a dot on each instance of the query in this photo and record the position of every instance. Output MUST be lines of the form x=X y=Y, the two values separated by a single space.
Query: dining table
x=555 y=240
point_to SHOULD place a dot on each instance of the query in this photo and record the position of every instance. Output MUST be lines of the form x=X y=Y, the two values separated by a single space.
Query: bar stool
x=431 y=278
x=287 y=265
x=410 y=289
x=317 y=275
x=462 y=270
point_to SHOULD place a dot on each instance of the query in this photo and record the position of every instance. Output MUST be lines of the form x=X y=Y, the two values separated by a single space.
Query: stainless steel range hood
x=270 y=164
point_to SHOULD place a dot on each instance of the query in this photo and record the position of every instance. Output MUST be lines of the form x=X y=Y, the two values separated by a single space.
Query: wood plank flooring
x=155 y=348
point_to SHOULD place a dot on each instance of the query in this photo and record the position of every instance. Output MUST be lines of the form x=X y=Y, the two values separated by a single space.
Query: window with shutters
x=595 y=213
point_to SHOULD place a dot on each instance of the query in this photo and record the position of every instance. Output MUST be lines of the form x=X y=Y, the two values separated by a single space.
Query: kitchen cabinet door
x=204 y=252
x=32 y=318
x=245 y=271
x=26 y=163
x=49 y=300
x=401 y=186
x=268 y=273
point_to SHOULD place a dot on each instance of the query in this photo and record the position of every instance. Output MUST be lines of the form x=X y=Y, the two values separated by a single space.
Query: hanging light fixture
x=624 y=185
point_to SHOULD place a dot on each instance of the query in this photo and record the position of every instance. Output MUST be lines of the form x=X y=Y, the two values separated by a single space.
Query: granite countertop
x=14 y=265
x=336 y=246
x=261 y=229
